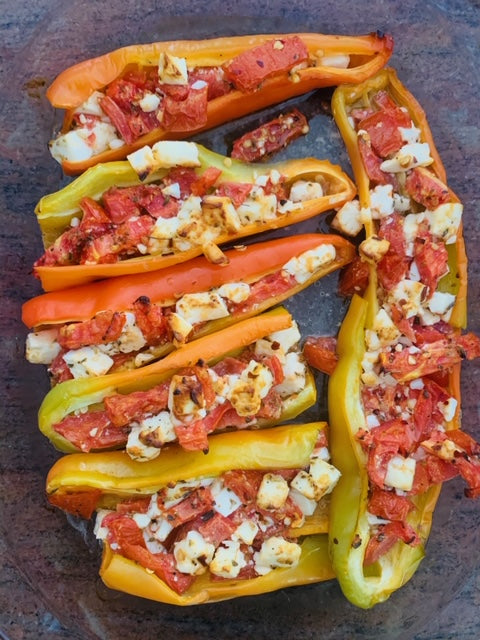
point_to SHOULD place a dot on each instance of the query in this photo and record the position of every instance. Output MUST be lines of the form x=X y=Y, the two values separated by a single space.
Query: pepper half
x=78 y=395
x=246 y=266
x=350 y=524
x=103 y=479
x=56 y=211
x=366 y=55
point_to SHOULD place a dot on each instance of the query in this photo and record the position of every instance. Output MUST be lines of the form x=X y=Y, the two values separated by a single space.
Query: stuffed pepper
x=131 y=321
x=247 y=518
x=394 y=394
x=171 y=203
x=249 y=375
x=140 y=94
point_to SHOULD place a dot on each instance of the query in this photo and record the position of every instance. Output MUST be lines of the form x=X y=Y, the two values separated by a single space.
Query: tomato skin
x=320 y=353
x=372 y=162
x=425 y=188
x=387 y=535
x=249 y=68
x=388 y=505
x=200 y=501
x=354 y=278
x=91 y=430
x=105 y=327
x=187 y=114
x=123 y=409
x=80 y=503
x=270 y=137
x=134 y=505
x=432 y=261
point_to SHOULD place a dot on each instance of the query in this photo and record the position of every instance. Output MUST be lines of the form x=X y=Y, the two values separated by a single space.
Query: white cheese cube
x=276 y=552
x=201 y=307
x=246 y=532
x=160 y=428
x=228 y=560
x=193 y=554
x=172 y=190
x=401 y=203
x=170 y=153
x=253 y=384
x=348 y=219
x=448 y=408
x=165 y=228
x=287 y=338
x=99 y=530
x=410 y=135
x=264 y=347
x=338 y=61
x=141 y=519
x=87 y=361
x=226 y=501
x=441 y=303
x=186 y=400
x=303 y=190
x=91 y=106
x=180 y=327
x=304 y=266
x=386 y=330
x=257 y=207
x=445 y=220
x=234 y=291
x=381 y=201
x=42 y=346
x=150 y=102
x=138 y=450
x=160 y=529
x=273 y=491
x=306 y=505
x=400 y=473
x=374 y=248
x=174 y=495
x=220 y=211
x=408 y=295
x=172 y=70
x=325 y=476
x=142 y=161
x=408 y=157
x=131 y=337
x=295 y=374
x=71 y=146
x=153 y=545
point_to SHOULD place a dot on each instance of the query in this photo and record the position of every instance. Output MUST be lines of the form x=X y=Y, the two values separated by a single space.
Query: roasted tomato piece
x=371 y=162
x=354 y=278
x=91 y=430
x=250 y=68
x=425 y=188
x=185 y=115
x=320 y=353
x=123 y=408
x=431 y=259
x=389 y=505
x=80 y=503
x=105 y=327
x=270 y=137
x=387 y=535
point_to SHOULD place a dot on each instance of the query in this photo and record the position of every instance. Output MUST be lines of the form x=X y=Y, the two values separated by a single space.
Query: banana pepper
x=81 y=483
x=55 y=212
x=257 y=267
x=80 y=397
x=355 y=109
x=327 y=60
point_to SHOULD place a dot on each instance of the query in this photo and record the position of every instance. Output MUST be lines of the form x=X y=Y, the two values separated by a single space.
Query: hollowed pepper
x=388 y=409
x=81 y=483
x=78 y=408
x=57 y=212
x=252 y=71
x=257 y=268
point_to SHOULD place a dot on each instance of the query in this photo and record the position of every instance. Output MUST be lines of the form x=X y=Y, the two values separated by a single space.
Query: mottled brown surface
x=49 y=587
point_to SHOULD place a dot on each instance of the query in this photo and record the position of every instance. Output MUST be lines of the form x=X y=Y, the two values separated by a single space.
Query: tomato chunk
x=105 y=327
x=425 y=188
x=250 y=68
x=431 y=259
x=80 y=503
x=387 y=535
x=270 y=137
x=188 y=114
x=388 y=505
x=354 y=278
x=91 y=430
x=320 y=353
x=123 y=408
x=200 y=501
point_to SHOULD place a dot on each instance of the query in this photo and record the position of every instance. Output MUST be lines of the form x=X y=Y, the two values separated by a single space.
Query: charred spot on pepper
x=357 y=541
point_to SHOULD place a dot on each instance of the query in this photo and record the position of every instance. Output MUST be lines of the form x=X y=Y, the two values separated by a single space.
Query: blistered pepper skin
x=56 y=210
x=74 y=395
x=114 y=476
x=74 y=85
x=349 y=527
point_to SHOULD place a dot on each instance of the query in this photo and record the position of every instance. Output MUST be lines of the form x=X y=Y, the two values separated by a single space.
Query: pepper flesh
x=349 y=527
x=55 y=211
x=113 y=476
x=74 y=85
x=74 y=395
